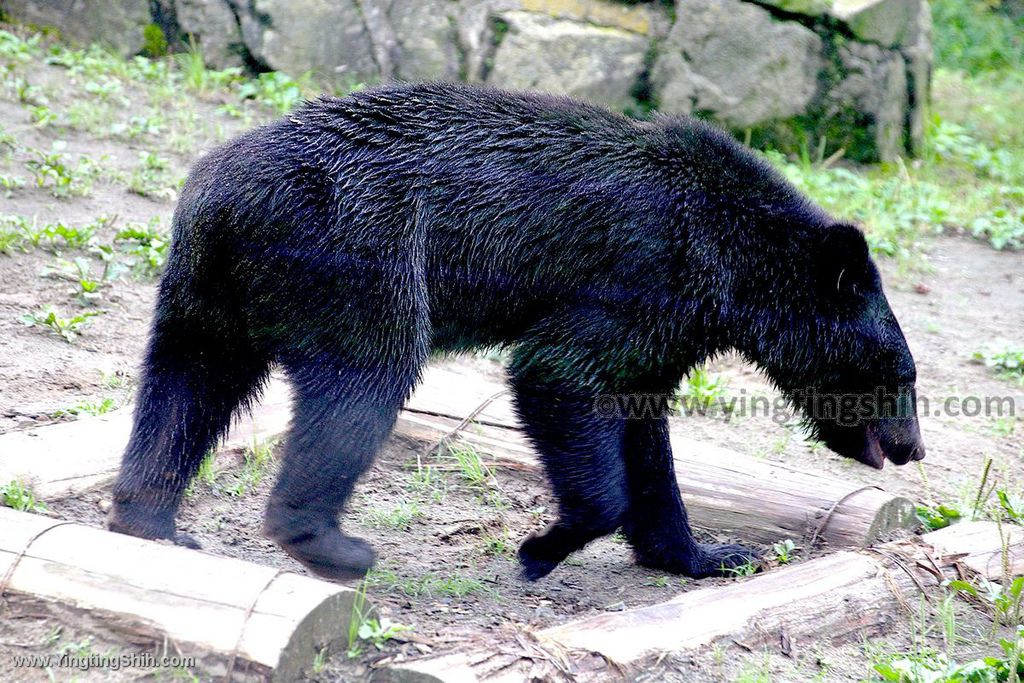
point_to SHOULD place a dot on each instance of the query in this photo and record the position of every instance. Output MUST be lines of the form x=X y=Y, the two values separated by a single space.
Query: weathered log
x=748 y=499
x=745 y=498
x=840 y=598
x=64 y=459
x=261 y=622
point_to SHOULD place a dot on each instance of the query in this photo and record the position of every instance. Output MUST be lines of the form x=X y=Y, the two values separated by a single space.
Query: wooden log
x=747 y=499
x=742 y=497
x=840 y=598
x=64 y=459
x=217 y=609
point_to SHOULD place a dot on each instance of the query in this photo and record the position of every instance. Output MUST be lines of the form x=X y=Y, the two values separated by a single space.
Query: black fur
x=351 y=239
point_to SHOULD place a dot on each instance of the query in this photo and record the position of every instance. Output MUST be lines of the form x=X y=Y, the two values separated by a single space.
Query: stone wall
x=785 y=72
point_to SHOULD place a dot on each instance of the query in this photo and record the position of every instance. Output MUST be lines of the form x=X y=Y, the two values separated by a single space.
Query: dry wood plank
x=839 y=598
x=747 y=499
x=210 y=607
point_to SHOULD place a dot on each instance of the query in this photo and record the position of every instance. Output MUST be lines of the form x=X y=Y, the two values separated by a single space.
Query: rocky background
x=829 y=74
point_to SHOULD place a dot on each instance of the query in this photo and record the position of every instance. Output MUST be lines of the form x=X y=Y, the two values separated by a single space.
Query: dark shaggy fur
x=351 y=239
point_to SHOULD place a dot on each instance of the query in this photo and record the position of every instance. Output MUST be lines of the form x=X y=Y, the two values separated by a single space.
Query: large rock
x=118 y=24
x=425 y=39
x=733 y=60
x=596 y=63
x=810 y=8
x=853 y=73
x=886 y=22
x=327 y=37
x=645 y=18
x=918 y=53
x=212 y=24
x=871 y=101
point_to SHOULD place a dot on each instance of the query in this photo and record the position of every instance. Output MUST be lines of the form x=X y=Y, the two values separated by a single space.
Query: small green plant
x=230 y=109
x=93 y=408
x=929 y=666
x=42 y=116
x=398 y=518
x=14 y=234
x=1004 y=600
x=8 y=142
x=1004 y=426
x=320 y=660
x=10 y=183
x=255 y=466
x=377 y=632
x=429 y=584
x=1011 y=506
x=365 y=627
x=198 y=77
x=745 y=569
x=497 y=546
x=59 y=235
x=456 y=586
x=16 y=495
x=16 y=48
x=938 y=516
x=154 y=42
x=146 y=244
x=1006 y=359
x=138 y=126
x=50 y=318
x=471 y=466
x=79 y=271
x=276 y=90
x=701 y=388
x=151 y=178
x=108 y=90
x=784 y=551
x=428 y=481
x=206 y=474
x=52 y=169
x=26 y=93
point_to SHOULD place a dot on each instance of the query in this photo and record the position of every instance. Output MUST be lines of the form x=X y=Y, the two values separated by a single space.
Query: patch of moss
x=154 y=41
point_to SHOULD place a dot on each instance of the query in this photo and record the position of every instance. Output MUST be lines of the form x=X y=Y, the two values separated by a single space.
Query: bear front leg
x=656 y=523
x=582 y=456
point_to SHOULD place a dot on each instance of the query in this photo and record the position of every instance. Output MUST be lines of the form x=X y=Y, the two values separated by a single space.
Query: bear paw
x=332 y=555
x=538 y=556
x=723 y=560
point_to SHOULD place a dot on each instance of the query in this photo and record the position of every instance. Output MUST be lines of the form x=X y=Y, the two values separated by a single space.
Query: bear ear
x=841 y=261
x=844 y=243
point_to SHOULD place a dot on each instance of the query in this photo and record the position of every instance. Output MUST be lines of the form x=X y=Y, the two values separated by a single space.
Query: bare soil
x=446 y=562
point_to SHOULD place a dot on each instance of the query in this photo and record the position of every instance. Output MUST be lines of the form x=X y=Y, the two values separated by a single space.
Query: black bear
x=349 y=240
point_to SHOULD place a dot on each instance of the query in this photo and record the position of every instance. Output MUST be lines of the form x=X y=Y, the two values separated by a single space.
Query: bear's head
x=823 y=331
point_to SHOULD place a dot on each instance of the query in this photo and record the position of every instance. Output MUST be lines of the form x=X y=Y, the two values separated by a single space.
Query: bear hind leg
x=190 y=387
x=342 y=415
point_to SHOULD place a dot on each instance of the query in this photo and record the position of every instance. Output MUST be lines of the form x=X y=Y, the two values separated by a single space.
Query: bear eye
x=846 y=283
